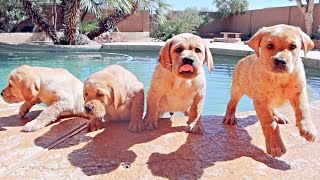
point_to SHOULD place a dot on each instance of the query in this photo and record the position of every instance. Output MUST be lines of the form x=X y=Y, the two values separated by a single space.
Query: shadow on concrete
x=15 y=121
x=219 y=143
x=111 y=148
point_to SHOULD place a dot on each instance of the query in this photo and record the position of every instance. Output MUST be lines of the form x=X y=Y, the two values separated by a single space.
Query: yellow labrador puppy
x=273 y=76
x=114 y=94
x=57 y=88
x=178 y=82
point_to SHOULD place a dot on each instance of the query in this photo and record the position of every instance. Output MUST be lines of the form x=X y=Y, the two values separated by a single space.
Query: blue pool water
x=142 y=64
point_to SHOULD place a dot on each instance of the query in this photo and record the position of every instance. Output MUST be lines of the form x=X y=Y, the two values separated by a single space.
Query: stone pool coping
x=234 y=49
x=48 y=46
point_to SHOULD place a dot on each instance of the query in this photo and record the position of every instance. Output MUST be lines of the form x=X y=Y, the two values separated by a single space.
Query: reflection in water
x=142 y=64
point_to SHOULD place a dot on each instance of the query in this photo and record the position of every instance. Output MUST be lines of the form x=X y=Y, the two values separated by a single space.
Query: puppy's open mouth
x=186 y=68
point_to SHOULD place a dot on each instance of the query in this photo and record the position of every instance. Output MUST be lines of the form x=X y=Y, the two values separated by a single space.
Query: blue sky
x=207 y=4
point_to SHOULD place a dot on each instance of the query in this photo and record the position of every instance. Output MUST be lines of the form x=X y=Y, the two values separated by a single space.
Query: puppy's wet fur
x=57 y=88
x=273 y=76
x=114 y=94
x=178 y=83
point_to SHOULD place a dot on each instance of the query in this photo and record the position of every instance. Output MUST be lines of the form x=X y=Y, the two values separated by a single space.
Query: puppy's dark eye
x=292 y=47
x=178 y=50
x=270 y=46
x=85 y=94
x=99 y=94
x=197 y=50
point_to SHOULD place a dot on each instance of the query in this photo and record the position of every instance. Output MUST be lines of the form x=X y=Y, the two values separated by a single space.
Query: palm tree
x=124 y=9
x=71 y=20
x=111 y=21
x=35 y=13
x=307 y=11
x=72 y=10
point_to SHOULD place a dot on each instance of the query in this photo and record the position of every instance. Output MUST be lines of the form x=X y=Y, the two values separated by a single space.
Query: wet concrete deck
x=65 y=150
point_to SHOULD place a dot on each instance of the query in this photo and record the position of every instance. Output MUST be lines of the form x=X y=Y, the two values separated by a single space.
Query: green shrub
x=10 y=15
x=180 y=22
x=88 y=26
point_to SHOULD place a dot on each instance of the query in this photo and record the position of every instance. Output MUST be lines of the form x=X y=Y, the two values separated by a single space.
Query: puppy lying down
x=273 y=76
x=178 y=82
x=114 y=94
x=57 y=88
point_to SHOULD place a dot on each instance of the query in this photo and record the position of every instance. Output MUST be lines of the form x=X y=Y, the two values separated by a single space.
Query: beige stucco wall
x=249 y=22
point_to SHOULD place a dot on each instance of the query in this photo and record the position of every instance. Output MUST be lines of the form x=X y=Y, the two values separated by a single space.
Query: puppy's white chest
x=179 y=97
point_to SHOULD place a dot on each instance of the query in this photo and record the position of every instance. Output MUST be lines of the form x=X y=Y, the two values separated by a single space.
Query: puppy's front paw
x=230 y=118
x=151 y=125
x=195 y=127
x=136 y=126
x=24 y=109
x=95 y=124
x=275 y=147
x=308 y=131
x=32 y=126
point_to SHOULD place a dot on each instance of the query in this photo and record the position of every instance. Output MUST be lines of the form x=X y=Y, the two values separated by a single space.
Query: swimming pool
x=142 y=64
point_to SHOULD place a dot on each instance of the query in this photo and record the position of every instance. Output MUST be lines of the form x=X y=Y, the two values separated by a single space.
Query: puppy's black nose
x=280 y=62
x=88 y=108
x=1 y=93
x=187 y=60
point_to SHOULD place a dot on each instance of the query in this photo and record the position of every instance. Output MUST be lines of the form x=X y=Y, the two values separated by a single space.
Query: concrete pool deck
x=65 y=150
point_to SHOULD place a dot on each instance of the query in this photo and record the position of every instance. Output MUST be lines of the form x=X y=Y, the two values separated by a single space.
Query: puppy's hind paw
x=136 y=126
x=151 y=125
x=280 y=119
x=195 y=127
x=308 y=131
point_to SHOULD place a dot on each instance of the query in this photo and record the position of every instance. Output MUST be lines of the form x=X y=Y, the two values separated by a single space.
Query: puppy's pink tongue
x=186 y=68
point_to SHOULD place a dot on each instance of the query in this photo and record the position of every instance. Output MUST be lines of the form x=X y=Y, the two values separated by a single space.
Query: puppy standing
x=114 y=94
x=57 y=88
x=178 y=82
x=272 y=77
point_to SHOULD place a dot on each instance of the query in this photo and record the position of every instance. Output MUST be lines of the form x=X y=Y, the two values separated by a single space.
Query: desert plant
x=88 y=26
x=178 y=22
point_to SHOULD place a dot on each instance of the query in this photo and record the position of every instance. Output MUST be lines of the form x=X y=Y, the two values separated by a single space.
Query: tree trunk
x=307 y=11
x=71 y=20
x=110 y=22
x=309 y=21
x=35 y=13
x=55 y=15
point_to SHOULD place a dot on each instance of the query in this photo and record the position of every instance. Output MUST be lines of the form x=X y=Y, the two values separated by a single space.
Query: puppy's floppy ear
x=307 y=43
x=255 y=40
x=119 y=94
x=165 y=57
x=208 y=57
x=30 y=85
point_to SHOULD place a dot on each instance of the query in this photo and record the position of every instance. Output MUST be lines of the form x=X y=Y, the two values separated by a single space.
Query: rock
x=108 y=37
x=82 y=40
